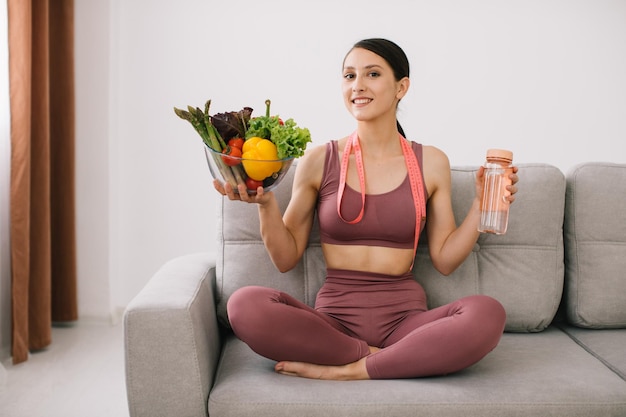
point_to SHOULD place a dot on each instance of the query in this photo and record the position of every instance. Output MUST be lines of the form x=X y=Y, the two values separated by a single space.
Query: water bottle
x=494 y=207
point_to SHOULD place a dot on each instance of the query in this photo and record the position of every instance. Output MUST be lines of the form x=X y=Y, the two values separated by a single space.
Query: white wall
x=541 y=77
x=5 y=173
x=95 y=166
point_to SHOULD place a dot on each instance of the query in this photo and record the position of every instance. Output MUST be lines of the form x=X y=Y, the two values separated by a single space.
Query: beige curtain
x=43 y=243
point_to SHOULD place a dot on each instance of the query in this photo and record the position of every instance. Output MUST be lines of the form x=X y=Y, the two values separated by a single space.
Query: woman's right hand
x=242 y=195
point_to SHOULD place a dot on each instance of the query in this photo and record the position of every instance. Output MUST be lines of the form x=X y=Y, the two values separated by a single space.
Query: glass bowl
x=231 y=169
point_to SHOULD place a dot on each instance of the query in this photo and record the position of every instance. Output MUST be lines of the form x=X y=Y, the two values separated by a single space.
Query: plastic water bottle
x=494 y=207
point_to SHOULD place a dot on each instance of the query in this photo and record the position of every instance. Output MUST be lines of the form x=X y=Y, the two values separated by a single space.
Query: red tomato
x=236 y=143
x=253 y=184
x=230 y=151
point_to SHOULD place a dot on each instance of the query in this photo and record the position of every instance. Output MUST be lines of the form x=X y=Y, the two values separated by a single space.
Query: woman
x=370 y=318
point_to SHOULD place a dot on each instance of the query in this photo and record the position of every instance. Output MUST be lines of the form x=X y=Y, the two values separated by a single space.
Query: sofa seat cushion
x=608 y=346
x=535 y=374
x=595 y=245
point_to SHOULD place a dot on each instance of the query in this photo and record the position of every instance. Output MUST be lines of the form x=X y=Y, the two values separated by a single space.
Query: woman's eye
x=374 y=74
x=348 y=76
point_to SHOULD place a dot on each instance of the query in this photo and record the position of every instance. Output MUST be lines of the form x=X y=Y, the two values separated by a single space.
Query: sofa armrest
x=172 y=340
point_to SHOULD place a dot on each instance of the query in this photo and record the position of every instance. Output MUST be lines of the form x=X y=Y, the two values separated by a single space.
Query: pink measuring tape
x=415 y=179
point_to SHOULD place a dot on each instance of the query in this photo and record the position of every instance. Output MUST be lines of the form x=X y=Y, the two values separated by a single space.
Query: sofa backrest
x=523 y=269
x=595 y=243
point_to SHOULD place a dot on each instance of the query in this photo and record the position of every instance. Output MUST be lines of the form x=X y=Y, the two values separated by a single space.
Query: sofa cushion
x=241 y=257
x=527 y=374
x=606 y=345
x=530 y=290
x=595 y=244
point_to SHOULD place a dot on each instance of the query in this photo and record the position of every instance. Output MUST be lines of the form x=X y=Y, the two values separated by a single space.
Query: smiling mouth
x=361 y=100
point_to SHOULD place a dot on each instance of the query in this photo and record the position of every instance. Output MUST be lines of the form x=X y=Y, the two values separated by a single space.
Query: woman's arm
x=286 y=237
x=450 y=245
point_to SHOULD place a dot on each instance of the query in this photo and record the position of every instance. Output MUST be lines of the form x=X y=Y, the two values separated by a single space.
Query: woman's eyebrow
x=370 y=66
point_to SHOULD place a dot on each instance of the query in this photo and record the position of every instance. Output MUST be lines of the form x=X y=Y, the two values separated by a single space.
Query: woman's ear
x=403 y=87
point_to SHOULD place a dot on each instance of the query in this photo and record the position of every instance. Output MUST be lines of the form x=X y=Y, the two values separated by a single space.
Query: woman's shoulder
x=311 y=165
x=435 y=156
x=317 y=153
x=314 y=154
x=436 y=168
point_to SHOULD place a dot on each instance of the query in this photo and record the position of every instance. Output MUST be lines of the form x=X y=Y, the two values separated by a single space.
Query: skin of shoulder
x=436 y=167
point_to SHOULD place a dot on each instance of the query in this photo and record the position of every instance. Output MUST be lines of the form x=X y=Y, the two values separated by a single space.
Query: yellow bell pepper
x=260 y=158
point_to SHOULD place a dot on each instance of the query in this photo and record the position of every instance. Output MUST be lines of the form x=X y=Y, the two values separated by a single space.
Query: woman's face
x=370 y=90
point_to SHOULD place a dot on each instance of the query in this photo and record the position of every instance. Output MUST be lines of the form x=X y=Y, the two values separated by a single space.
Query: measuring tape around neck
x=415 y=180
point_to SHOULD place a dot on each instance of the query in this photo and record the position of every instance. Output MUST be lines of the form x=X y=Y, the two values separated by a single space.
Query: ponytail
x=400 y=130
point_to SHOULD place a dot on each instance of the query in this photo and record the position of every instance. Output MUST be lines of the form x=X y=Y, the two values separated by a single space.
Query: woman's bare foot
x=352 y=371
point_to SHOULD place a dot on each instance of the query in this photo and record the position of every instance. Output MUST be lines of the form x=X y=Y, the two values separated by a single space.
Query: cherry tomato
x=229 y=152
x=236 y=143
x=253 y=184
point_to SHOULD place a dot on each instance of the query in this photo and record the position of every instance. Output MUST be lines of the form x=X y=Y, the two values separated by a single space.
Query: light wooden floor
x=81 y=374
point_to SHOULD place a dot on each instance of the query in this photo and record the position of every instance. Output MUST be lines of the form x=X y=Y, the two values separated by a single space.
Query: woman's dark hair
x=393 y=54
x=390 y=52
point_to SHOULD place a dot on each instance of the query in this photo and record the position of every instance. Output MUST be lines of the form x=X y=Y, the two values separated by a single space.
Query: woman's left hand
x=480 y=179
x=513 y=187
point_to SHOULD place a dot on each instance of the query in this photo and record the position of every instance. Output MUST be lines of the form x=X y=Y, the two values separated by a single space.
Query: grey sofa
x=559 y=271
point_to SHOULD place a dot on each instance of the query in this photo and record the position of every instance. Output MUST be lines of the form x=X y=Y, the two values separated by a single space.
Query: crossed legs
x=310 y=344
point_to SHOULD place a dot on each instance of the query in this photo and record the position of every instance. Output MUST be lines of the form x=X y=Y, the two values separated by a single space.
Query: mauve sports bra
x=388 y=219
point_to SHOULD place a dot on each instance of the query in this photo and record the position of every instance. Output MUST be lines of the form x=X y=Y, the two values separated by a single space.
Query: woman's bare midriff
x=376 y=259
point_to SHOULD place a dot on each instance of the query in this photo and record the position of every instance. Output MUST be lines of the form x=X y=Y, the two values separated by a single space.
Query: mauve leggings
x=355 y=310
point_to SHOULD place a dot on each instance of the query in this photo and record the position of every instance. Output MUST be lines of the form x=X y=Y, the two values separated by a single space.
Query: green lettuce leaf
x=290 y=140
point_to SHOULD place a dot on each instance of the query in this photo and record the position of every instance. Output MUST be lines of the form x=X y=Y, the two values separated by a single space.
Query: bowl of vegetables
x=254 y=164
x=242 y=149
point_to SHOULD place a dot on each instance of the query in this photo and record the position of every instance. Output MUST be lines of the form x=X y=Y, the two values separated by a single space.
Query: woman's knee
x=246 y=302
x=487 y=311
x=492 y=305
